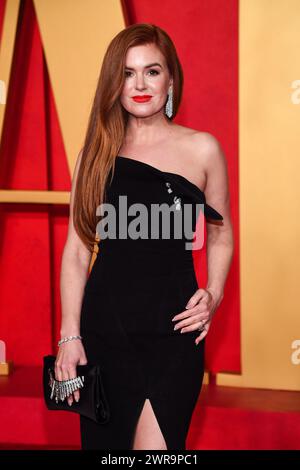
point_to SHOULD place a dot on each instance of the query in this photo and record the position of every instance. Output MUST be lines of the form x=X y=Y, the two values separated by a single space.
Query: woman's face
x=146 y=73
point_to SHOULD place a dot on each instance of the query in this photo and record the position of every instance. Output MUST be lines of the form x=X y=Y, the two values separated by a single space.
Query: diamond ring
x=201 y=328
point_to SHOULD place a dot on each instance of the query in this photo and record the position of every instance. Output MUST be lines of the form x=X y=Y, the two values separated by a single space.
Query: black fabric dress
x=135 y=288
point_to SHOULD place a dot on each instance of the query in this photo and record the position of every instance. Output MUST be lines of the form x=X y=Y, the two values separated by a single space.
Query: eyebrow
x=146 y=66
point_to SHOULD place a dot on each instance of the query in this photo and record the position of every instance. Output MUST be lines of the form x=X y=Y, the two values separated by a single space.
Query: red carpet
x=224 y=418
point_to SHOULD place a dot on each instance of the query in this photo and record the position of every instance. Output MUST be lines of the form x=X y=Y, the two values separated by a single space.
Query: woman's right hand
x=70 y=354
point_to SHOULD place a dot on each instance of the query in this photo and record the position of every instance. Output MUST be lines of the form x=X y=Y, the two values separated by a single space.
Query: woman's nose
x=140 y=82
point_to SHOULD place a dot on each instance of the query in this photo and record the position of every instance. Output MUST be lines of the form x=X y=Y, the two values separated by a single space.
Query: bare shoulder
x=206 y=145
x=199 y=143
x=206 y=150
x=208 y=157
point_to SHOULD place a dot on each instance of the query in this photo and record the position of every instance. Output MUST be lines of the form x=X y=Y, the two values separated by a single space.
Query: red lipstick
x=142 y=98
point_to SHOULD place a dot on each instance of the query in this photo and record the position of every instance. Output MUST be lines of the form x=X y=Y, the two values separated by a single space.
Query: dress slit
x=140 y=410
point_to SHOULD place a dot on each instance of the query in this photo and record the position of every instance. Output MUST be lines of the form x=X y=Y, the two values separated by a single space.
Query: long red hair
x=108 y=119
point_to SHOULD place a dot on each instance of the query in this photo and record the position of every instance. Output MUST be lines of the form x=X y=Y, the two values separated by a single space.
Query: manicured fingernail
x=70 y=403
x=175 y=327
x=77 y=399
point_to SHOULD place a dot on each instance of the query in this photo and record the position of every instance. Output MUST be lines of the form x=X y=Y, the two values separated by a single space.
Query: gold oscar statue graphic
x=5 y=366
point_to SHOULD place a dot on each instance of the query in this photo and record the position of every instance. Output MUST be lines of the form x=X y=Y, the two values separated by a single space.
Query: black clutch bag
x=92 y=402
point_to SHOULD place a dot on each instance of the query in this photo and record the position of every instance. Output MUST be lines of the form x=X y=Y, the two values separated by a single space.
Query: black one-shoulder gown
x=134 y=289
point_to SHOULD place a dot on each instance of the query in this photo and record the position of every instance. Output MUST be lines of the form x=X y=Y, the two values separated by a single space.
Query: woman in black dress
x=134 y=160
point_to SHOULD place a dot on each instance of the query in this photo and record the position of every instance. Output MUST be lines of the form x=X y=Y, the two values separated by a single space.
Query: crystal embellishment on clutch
x=61 y=389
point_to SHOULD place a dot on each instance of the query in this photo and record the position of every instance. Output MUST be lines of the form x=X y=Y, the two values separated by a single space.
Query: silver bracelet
x=68 y=338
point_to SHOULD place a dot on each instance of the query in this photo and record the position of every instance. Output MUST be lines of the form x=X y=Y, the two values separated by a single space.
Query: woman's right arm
x=74 y=268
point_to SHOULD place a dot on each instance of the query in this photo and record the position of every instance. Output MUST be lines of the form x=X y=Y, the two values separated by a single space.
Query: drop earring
x=169 y=104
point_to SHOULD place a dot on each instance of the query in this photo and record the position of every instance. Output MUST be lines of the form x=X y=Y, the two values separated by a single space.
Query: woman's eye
x=127 y=72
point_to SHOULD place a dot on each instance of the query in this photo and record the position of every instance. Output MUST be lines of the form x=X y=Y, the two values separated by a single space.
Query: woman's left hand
x=200 y=311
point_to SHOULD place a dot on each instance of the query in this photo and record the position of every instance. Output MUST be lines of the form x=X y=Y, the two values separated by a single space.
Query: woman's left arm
x=220 y=242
